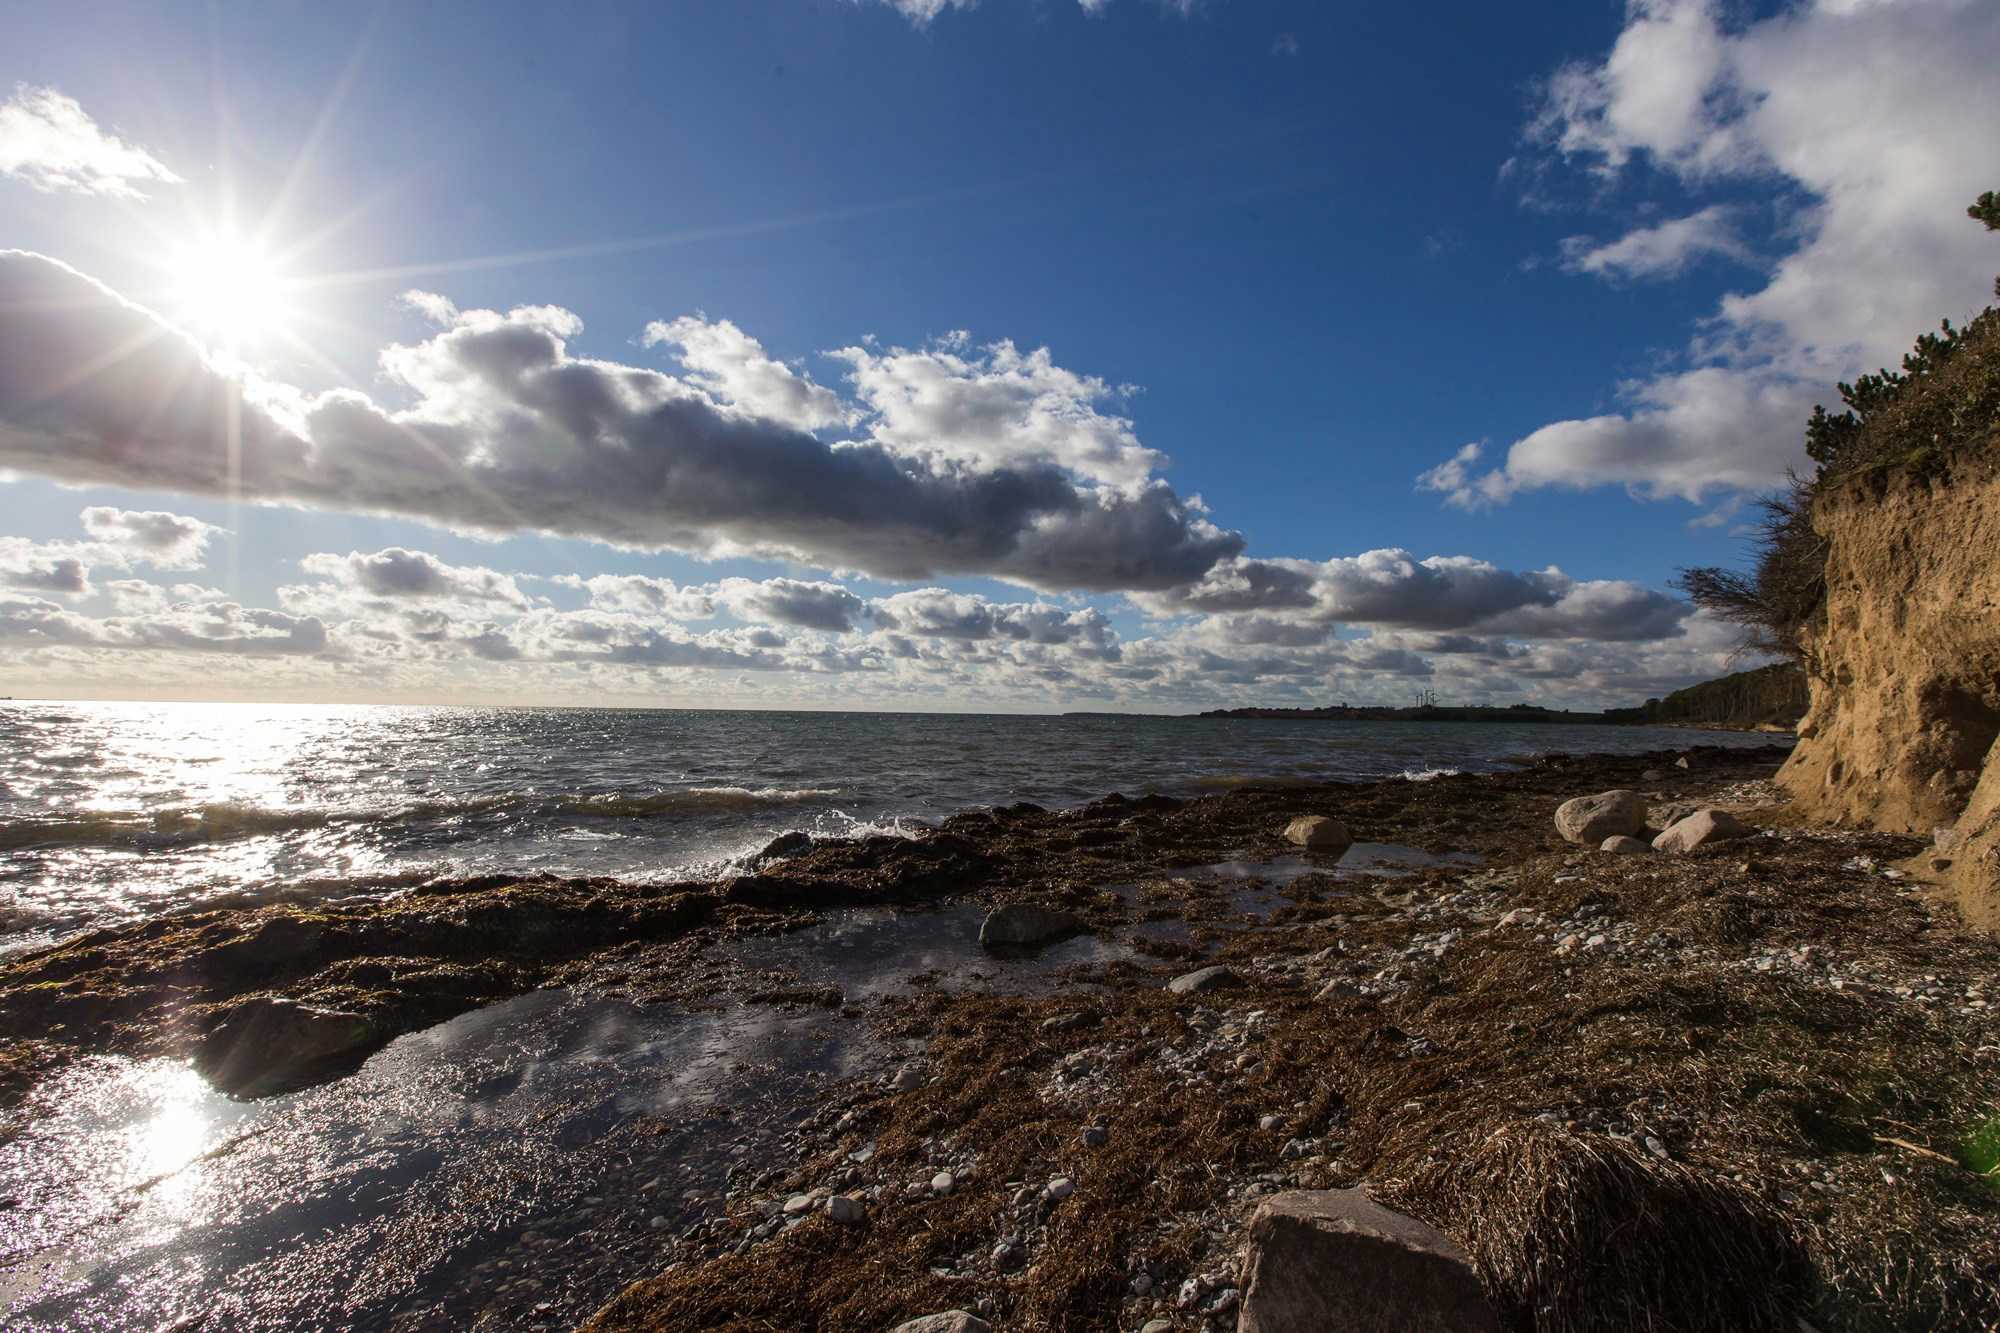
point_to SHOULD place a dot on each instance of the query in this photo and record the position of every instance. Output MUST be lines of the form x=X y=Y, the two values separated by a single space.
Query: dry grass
x=1573 y=1233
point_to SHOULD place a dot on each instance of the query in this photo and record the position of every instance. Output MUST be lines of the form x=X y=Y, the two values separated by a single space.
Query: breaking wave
x=695 y=800
x=224 y=820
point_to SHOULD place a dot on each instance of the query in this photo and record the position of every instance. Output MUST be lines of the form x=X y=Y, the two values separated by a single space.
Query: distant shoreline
x=1616 y=717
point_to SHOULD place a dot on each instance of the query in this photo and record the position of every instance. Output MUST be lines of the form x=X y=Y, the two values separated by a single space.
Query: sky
x=1018 y=355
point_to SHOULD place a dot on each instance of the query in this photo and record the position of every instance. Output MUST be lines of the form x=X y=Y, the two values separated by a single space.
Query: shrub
x=1944 y=402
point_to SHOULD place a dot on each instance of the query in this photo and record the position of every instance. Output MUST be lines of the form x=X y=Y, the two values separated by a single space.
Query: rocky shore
x=1725 y=1087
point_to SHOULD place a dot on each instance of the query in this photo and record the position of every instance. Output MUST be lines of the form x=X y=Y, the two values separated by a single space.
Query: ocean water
x=117 y=811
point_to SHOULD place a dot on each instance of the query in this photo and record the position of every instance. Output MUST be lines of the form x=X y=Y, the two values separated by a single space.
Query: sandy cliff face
x=1905 y=669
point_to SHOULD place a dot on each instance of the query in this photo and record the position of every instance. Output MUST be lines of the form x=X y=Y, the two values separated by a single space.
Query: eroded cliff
x=1904 y=667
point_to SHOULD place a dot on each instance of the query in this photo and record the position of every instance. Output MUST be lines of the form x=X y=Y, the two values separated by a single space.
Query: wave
x=160 y=828
x=221 y=821
x=1428 y=774
x=694 y=800
x=1232 y=781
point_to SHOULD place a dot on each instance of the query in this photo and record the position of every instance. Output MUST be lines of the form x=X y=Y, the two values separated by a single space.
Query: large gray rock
x=265 y=1046
x=1024 y=923
x=1335 y=1259
x=1318 y=833
x=1591 y=819
x=1208 y=978
x=784 y=845
x=951 y=1321
x=1700 y=829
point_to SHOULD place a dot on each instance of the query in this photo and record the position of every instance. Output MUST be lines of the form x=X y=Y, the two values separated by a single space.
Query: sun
x=230 y=292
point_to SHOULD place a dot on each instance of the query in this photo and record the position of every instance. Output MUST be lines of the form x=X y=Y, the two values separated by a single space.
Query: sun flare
x=231 y=292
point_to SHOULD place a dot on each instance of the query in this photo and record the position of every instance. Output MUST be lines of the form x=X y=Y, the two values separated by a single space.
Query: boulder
x=1335 y=1259
x=1668 y=815
x=265 y=1045
x=784 y=845
x=1700 y=829
x=951 y=1321
x=1318 y=833
x=1019 y=924
x=1624 y=846
x=1591 y=819
x=1208 y=978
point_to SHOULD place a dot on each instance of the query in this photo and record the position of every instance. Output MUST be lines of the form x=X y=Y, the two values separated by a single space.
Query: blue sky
x=1305 y=254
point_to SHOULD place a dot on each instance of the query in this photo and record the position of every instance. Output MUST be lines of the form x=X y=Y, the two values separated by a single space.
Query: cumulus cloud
x=207 y=627
x=996 y=408
x=640 y=594
x=733 y=367
x=1663 y=250
x=120 y=538
x=134 y=597
x=942 y=613
x=1254 y=632
x=921 y=12
x=592 y=636
x=1270 y=601
x=42 y=567
x=50 y=142
x=509 y=432
x=400 y=573
x=807 y=605
x=152 y=537
x=1835 y=100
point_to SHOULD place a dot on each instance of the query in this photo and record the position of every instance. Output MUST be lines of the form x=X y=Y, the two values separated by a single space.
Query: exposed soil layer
x=1904 y=729
x=1712 y=1091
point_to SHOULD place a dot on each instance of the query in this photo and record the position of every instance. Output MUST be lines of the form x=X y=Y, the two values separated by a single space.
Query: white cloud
x=152 y=537
x=796 y=602
x=397 y=573
x=927 y=643
x=509 y=432
x=50 y=142
x=921 y=12
x=121 y=538
x=1842 y=103
x=51 y=567
x=207 y=627
x=1663 y=250
x=733 y=367
x=998 y=408
x=640 y=594
x=433 y=307
x=1297 y=601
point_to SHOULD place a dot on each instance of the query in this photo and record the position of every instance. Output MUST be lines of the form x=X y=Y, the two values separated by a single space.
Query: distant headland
x=1770 y=698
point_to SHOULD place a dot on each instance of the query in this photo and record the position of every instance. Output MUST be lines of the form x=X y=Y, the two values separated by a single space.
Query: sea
x=114 y=812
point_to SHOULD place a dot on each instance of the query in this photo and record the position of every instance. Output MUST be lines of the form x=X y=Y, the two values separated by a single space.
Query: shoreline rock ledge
x=1019 y=925
x=1318 y=833
x=1336 y=1259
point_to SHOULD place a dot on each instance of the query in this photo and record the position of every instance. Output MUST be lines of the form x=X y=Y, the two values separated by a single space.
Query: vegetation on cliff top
x=1773 y=695
x=1943 y=404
